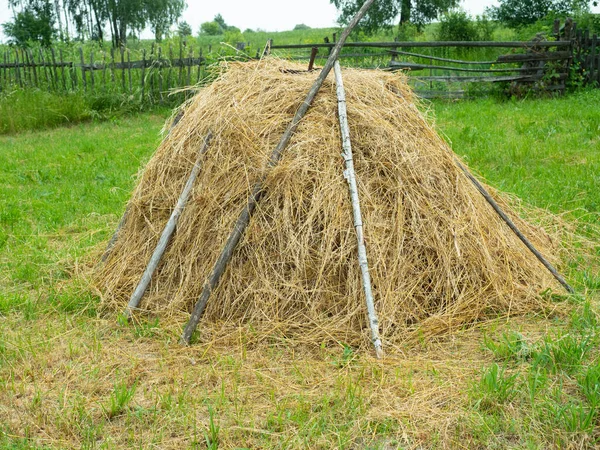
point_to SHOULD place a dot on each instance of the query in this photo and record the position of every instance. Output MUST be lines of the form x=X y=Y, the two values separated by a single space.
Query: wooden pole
x=82 y=69
x=62 y=69
x=92 y=78
x=165 y=237
x=143 y=78
x=350 y=176
x=514 y=228
x=257 y=191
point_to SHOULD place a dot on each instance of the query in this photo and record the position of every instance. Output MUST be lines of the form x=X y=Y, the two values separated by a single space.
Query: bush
x=456 y=25
x=301 y=26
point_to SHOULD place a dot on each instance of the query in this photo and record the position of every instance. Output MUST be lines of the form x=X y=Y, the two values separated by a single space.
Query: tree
x=184 y=30
x=35 y=22
x=385 y=12
x=161 y=14
x=210 y=28
x=519 y=13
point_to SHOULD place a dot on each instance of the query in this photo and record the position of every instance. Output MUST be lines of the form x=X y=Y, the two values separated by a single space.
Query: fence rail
x=435 y=69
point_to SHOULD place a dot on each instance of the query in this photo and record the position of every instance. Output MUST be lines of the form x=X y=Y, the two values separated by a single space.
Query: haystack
x=439 y=255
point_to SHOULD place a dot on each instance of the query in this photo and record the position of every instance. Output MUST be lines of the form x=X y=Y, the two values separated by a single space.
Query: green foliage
x=37 y=19
x=184 y=29
x=457 y=25
x=161 y=14
x=519 y=13
x=35 y=23
x=210 y=28
x=301 y=27
x=383 y=13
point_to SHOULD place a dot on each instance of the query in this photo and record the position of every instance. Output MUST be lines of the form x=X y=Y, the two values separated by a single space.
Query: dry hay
x=440 y=257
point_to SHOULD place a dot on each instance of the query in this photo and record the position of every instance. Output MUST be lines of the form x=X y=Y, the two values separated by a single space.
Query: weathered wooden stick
x=115 y=235
x=167 y=232
x=350 y=175
x=257 y=192
x=514 y=228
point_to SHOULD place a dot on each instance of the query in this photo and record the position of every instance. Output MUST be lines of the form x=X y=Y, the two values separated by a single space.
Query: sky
x=269 y=15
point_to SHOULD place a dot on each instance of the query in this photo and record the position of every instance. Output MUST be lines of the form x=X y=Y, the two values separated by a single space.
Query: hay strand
x=350 y=176
x=257 y=191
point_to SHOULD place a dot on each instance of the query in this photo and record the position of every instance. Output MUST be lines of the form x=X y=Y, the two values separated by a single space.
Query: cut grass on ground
x=70 y=378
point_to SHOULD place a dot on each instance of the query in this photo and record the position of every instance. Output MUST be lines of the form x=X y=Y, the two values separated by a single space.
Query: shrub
x=456 y=25
x=301 y=26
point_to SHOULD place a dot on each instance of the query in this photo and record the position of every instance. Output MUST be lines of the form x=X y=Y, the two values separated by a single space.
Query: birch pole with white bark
x=168 y=231
x=350 y=176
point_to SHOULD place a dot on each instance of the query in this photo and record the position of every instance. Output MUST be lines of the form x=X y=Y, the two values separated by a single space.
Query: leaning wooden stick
x=115 y=235
x=167 y=232
x=514 y=228
x=350 y=175
x=257 y=191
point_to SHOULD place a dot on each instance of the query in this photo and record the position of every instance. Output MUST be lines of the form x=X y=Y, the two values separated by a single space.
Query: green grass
x=544 y=151
x=60 y=193
x=71 y=378
x=36 y=109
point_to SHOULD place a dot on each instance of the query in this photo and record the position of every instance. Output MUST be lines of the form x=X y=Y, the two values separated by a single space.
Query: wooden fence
x=147 y=75
x=435 y=69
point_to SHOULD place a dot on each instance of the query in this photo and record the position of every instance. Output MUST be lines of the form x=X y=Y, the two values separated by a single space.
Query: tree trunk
x=59 y=20
x=98 y=23
x=405 y=12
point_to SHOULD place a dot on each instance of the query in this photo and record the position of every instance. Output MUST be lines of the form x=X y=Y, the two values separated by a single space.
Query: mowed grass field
x=72 y=376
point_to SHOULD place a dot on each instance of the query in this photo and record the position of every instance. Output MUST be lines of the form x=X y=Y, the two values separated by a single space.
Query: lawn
x=74 y=377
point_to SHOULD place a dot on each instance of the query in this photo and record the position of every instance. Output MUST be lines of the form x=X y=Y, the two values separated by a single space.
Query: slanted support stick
x=167 y=232
x=257 y=191
x=350 y=176
x=514 y=228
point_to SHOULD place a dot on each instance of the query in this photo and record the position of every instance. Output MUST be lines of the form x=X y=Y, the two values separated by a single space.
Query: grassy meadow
x=72 y=376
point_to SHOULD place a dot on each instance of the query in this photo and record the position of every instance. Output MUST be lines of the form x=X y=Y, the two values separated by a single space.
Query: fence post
x=170 y=71
x=92 y=70
x=62 y=69
x=143 y=74
x=180 y=63
x=112 y=65
x=18 y=69
x=122 y=49
x=160 y=75
x=190 y=61
x=592 y=74
x=26 y=66
x=82 y=69
x=54 y=72
x=129 y=70
x=199 y=64
x=104 y=71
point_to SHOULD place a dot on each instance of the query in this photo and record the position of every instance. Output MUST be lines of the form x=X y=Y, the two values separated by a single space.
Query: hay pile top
x=439 y=255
